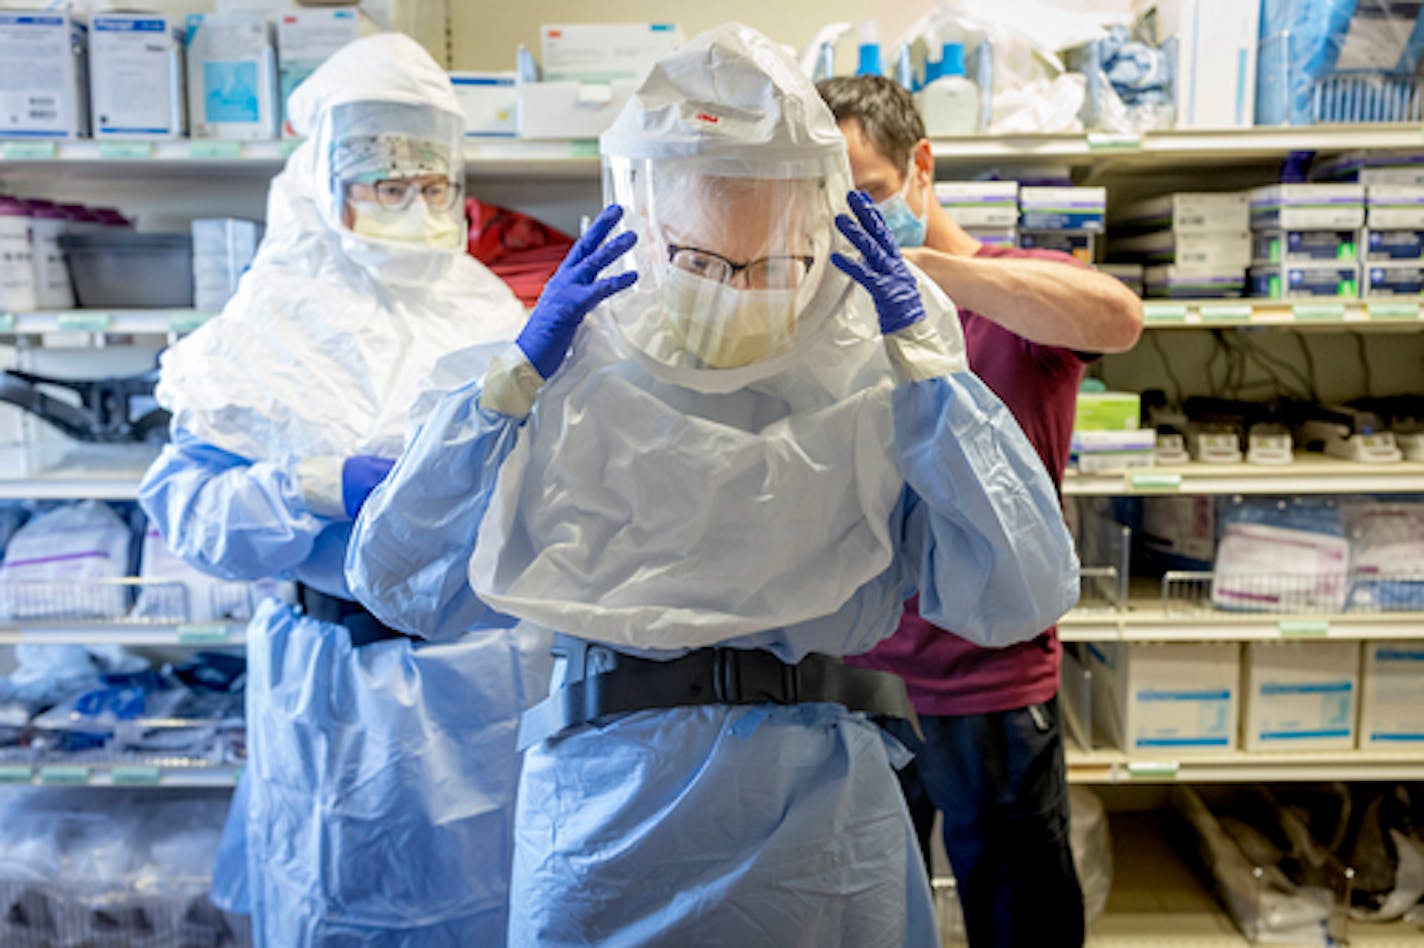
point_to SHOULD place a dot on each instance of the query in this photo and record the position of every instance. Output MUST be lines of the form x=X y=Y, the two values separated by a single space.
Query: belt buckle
x=734 y=684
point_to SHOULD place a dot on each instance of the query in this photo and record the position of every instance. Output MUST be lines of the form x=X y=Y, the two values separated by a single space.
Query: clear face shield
x=732 y=260
x=396 y=172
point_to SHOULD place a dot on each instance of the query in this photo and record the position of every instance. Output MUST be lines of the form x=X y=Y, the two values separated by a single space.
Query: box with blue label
x=1063 y=209
x=1308 y=207
x=1394 y=279
x=1075 y=243
x=1385 y=246
x=232 y=77
x=980 y=204
x=136 y=82
x=1169 y=699
x=1392 y=695
x=44 y=58
x=490 y=101
x=1394 y=208
x=995 y=236
x=604 y=52
x=1168 y=281
x=1093 y=452
x=1297 y=281
x=1305 y=246
x=1301 y=695
x=305 y=39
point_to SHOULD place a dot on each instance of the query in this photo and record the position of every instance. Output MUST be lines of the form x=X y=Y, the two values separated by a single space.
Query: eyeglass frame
x=734 y=268
x=456 y=188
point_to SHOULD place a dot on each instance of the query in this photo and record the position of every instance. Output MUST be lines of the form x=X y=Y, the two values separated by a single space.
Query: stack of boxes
x=1305 y=239
x=1068 y=220
x=1391 y=246
x=223 y=249
x=1191 y=245
x=988 y=210
x=1173 y=699
x=1107 y=435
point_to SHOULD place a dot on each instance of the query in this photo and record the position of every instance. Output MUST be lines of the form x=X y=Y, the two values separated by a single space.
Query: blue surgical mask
x=907 y=227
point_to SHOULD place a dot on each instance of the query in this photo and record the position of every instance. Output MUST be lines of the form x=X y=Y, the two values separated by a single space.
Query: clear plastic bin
x=124 y=269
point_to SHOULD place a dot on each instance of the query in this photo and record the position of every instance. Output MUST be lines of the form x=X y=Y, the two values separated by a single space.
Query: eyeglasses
x=398 y=193
x=781 y=272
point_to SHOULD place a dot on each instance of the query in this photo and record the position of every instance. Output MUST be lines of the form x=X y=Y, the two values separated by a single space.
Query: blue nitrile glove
x=883 y=273
x=359 y=476
x=573 y=291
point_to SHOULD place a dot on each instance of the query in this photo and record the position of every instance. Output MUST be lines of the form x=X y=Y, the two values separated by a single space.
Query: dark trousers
x=1001 y=783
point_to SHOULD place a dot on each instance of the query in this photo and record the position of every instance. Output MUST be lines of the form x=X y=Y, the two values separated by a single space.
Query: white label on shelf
x=1165 y=312
x=1114 y=141
x=1153 y=769
x=30 y=151
x=1225 y=312
x=214 y=149
x=1319 y=312
x=1303 y=628
x=134 y=776
x=183 y=322
x=199 y=634
x=80 y=320
x=125 y=151
x=10 y=773
x=1154 y=481
x=7 y=322
x=66 y=775
x=1395 y=309
x=287 y=146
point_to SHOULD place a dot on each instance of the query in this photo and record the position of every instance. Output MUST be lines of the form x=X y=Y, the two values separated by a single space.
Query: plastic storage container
x=121 y=268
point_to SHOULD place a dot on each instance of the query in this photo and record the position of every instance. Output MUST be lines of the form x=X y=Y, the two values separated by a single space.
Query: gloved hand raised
x=573 y=291
x=359 y=476
x=883 y=272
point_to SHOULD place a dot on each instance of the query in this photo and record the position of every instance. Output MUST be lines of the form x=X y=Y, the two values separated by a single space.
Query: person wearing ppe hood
x=376 y=807
x=711 y=465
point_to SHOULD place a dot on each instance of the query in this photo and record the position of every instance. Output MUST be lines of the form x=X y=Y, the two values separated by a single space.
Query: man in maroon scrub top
x=992 y=757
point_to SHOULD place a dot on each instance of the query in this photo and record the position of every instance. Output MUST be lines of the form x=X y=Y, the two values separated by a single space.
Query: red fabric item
x=945 y=674
x=521 y=251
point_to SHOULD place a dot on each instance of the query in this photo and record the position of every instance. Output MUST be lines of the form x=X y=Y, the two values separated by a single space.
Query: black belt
x=601 y=681
x=360 y=625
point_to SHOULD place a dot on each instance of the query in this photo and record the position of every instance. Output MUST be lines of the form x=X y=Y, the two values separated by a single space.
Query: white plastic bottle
x=17 y=270
x=950 y=104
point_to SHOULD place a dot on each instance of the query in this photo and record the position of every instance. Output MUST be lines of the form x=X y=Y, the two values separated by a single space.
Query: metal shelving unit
x=123 y=633
x=119 y=775
x=1308 y=474
x=1113 y=766
x=55 y=470
x=102 y=322
x=1392 y=315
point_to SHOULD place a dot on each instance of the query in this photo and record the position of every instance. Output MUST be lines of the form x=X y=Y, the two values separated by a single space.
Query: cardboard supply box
x=1216 y=58
x=1392 y=246
x=1308 y=207
x=1203 y=250
x=136 y=76
x=1108 y=411
x=1287 y=281
x=570 y=109
x=1305 y=246
x=604 y=52
x=1394 y=208
x=1082 y=209
x=490 y=101
x=1169 y=281
x=1392 y=695
x=1405 y=280
x=1188 y=212
x=980 y=204
x=305 y=39
x=232 y=77
x=1167 y=699
x=1301 y=695
x=44 y=57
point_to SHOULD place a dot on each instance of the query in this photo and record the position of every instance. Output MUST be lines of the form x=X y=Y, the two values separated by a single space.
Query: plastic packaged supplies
x=134 y=872
x=62 y=564
x=1279 y=557
x=173 y=591
x=1387 y=540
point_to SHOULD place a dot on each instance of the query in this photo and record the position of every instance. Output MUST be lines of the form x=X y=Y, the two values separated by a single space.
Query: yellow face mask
x=416 y=224
x=724 y=327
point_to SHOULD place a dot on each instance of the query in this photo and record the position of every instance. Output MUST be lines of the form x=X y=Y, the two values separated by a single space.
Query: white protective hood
x=331 y=336
x=653 y=504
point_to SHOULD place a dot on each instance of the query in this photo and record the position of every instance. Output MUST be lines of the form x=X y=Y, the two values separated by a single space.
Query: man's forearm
x=1053 y=304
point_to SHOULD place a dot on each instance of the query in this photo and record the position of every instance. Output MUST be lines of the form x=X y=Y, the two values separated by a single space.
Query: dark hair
x=885 y=111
